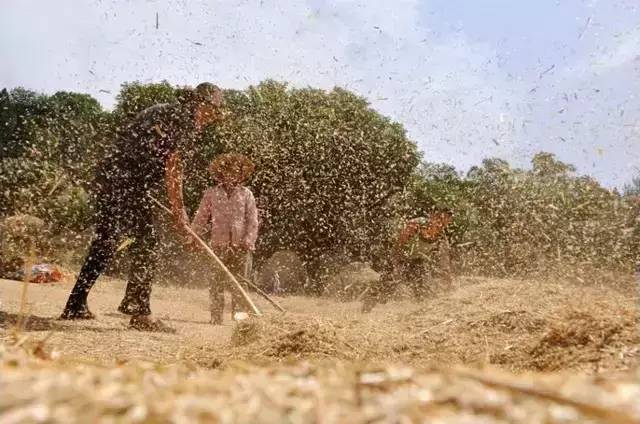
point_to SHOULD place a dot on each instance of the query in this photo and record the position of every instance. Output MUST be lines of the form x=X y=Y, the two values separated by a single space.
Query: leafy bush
x=333 y=177
x=51 y=146
x=327 y=166
x=510 y=221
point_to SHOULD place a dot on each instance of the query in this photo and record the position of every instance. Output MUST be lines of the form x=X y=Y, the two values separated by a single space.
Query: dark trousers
x=239 y=264
x=423 y=275
x=410 y=271
x=114 y=224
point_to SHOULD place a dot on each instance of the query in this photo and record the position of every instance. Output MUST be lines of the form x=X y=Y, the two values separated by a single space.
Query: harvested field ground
x=577 y=344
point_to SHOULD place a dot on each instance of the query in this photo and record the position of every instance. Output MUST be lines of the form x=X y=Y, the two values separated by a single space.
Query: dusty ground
x=325 y=355
x=517 y=325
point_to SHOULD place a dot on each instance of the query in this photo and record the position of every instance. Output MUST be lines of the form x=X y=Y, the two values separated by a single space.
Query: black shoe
x=75 y=314
x=367 y=306
x=145 y=323
x=126 y=309
x=216 y=319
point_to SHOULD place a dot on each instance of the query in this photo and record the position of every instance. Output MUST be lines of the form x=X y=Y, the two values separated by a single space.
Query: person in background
x=228 y=210
x=421 y=251
x=145 y=153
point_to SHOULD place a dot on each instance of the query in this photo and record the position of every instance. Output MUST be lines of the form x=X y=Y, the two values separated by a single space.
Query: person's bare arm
x=173 y=182
x=409 y=230
x=406 y=234
x=203 y=214
x=251 y=217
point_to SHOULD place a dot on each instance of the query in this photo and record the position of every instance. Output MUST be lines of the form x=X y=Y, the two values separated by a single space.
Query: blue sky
x=468 y=78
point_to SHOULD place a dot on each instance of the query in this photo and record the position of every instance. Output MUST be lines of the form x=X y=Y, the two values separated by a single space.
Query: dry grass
x=37 y=390
x=325 y=362
x=293 y=336
x=517 y=325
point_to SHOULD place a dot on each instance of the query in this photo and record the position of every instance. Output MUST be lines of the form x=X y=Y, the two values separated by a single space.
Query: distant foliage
x=510 y=221
x=50 y=148
x=327 y=166
x=333 y=176
x=134 y=97
x=633 y=188
x=18 y=109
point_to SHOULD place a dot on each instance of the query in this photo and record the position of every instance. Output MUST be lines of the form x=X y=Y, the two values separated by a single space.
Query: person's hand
x=189 y=239
x=246 y=246
x=180 y=224
x=191 y=244
x=183 y=230
x=182 y=221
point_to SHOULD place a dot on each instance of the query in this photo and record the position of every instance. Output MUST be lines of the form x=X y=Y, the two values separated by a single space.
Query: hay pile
x=524 y=326
x=581 y=336
x=291 y=336
x=518 y=326
x=55 y=391
x=326 y=362
x=515 y=325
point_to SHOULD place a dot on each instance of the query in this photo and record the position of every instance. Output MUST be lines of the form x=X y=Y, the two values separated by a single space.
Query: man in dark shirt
x=145 y=152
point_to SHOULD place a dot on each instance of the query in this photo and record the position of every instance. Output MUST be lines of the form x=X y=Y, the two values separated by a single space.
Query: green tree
x=525 y=221
x=18 y=110
x=135 y=97
x=633 y=188
x=50 y=151
x=546 y=165
x=73 y=132
x=327 y=166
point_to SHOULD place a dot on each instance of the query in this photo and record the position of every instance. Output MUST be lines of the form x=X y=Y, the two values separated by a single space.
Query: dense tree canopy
x=135 y=97
x=50 y=147
x=332 y=176
x=327 y=165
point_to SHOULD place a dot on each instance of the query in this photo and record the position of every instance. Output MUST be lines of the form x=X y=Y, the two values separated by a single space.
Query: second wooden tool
x=210 y=252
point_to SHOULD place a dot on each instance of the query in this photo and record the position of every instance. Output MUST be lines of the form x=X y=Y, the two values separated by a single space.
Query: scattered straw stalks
x=290 y=336
x=312 y=367
x=57 y=391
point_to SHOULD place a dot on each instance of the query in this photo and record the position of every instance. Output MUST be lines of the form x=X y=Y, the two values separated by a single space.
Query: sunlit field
x=418 y=211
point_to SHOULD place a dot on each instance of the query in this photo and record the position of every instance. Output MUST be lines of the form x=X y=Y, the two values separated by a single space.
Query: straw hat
x=231 y=166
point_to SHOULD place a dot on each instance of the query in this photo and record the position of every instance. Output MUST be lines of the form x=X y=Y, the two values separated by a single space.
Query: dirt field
x=508 y=325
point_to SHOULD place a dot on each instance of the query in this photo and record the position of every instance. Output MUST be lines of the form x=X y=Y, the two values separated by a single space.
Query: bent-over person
x=145 y=154
x=419 y=257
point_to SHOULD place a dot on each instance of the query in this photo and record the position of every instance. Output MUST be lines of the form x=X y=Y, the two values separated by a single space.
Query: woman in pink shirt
x=228 y=210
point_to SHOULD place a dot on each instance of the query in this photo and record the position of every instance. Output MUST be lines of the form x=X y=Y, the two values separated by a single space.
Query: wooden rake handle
x=263 y=294
x=217 y=260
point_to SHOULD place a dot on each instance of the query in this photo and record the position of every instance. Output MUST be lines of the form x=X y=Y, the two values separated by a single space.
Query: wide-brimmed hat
x=231 y=165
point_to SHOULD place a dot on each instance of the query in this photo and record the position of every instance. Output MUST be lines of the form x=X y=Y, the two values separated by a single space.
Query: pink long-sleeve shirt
x=233 y=217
